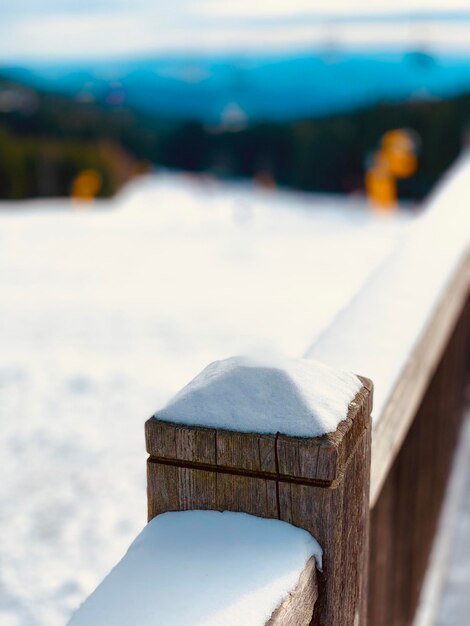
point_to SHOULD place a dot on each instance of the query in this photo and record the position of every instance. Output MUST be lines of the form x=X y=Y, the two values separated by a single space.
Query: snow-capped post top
x=288 y=440
x=255 y=417
x=296 y=397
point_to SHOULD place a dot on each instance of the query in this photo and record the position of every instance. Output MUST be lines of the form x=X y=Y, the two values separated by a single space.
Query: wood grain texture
x=201 y=446
x=172 y=441
x=173 y=488
x=399 y=413
x=339 y=519
x=297 y=608
x=325 y=458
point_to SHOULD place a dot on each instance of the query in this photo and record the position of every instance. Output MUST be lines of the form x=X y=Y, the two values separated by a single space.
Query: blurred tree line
x=47 y=139
x=43 y=167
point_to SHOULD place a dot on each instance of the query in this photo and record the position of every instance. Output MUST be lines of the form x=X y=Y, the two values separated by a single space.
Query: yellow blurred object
x=401 y=163
x=397 y=139
x=86 y=185
x=381 y=189
x=398 y=148
x=395 y=159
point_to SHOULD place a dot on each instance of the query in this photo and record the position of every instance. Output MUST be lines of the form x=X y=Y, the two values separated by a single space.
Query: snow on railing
x=290 y=440
x=376 y=333
x=211 y=569
x=425 y=280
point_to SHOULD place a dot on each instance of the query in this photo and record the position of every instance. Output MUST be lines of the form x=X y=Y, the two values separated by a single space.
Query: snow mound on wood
x=297 y=397
x=203 y=568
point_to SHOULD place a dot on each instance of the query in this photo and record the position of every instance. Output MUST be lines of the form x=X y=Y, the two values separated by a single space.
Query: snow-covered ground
x=107 y=313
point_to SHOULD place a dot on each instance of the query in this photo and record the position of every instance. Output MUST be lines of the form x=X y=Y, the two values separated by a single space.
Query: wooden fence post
x=320 y=484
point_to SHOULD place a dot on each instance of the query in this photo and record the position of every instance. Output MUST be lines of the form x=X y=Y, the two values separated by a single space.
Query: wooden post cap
x=287 y=440
x=294 y=419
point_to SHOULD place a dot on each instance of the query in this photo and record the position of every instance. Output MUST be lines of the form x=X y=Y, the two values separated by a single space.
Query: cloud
x=65 y=29
x=281 y=8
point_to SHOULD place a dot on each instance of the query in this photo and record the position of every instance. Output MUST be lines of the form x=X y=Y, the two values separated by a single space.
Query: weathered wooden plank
x=297 y=608
x=172 y=488
x=405 y=515
x=174 y=441
x=254 y=495
x=200 y=446
x=191 y=468
x=247 y=451
x=338 y=518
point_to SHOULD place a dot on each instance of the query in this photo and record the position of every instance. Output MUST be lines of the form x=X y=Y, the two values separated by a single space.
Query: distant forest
x=47 y=139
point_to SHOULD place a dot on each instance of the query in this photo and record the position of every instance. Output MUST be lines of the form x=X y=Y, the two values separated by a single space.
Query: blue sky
x=31 y=29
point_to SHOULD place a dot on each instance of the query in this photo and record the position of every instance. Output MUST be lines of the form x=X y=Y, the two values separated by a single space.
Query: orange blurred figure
x=402 y=164
x=398 y=138
x=86 y=185
x=395 y=159
x=399 y=150
x=381 y=187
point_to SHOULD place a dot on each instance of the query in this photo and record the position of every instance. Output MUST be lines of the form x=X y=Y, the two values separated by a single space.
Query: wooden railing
x=420 y=365
x=409 y=330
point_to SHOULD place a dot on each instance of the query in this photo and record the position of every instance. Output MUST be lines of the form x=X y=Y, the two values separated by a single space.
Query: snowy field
x=105 y=314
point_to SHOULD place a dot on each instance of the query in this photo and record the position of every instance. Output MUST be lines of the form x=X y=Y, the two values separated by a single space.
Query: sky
x=34 y=29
